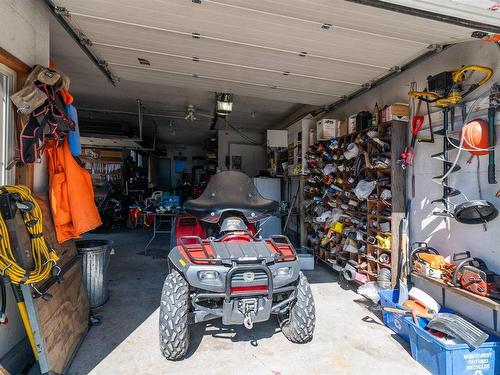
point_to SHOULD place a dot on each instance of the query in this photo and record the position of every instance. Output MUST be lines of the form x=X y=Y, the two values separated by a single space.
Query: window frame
x=23 y=175
x=8 y=126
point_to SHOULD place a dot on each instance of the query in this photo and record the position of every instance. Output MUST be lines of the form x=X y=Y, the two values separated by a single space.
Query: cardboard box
x=397 y=111
x=327 y=128
x=277 y=138
x=343 y=129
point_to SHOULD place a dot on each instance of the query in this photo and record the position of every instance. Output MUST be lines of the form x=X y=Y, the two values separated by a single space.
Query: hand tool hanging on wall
x=447 y=165
x=446 y=90
x=492 y=109
x=429 y=120
x=403 y=271
x=416 y=124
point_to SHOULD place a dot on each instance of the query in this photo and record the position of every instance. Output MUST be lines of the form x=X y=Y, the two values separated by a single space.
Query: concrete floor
x=349 y=338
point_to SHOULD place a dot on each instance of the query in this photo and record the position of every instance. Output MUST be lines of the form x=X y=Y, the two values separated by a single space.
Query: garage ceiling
x=293 y=51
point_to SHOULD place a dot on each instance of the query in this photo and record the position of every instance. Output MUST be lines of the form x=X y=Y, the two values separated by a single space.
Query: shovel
x=451 y=324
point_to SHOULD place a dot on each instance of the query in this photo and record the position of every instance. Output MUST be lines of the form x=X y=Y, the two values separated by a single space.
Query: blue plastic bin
x=172 y=201
x=396 y=322
x=459 y=359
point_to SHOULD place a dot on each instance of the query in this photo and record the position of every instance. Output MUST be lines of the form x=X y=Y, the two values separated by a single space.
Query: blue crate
x=396 y=322
x=458 y=359
x=171 y=201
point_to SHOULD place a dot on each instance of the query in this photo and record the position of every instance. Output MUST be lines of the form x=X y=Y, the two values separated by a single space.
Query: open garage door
x=309 y=52
x=481 y=14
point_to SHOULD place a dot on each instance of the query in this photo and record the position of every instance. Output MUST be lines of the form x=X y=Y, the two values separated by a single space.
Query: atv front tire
x=174 y=325
x=299 y=327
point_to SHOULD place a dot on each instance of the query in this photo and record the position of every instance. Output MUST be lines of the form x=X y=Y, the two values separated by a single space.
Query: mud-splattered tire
x=299 y=327
x=174 y=325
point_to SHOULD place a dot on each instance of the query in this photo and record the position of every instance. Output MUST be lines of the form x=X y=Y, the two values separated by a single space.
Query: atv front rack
x=207 y=247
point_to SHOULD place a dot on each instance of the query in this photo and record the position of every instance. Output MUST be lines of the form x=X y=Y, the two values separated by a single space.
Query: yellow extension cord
x=43 y=257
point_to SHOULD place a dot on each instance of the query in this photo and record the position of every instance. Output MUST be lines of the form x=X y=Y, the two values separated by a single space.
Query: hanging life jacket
x=48 y=121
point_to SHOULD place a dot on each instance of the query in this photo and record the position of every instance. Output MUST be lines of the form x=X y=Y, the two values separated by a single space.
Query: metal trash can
x=95 y=259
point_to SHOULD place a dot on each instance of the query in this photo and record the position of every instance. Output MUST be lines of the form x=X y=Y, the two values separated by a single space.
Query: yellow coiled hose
x=44 y=259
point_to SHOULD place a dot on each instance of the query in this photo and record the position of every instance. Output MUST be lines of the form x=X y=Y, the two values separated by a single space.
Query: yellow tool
x=385 y=242
x=430 y=265
x=44 y=259
x=337 y=227
x=447 y=89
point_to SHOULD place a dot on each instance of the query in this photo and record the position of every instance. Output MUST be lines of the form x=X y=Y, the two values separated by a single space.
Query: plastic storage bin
x=457 y=359
x=170 y=201
x=396 y=322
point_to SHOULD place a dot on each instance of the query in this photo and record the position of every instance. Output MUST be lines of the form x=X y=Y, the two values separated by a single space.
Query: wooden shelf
x=485 y=301
x=396 y=182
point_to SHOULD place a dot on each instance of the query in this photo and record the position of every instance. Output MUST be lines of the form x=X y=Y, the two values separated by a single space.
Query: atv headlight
x=283 y=272
x=208 y=275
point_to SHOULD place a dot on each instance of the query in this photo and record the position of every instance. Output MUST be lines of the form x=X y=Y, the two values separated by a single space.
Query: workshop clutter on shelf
x=461 y=270
x=347 y=199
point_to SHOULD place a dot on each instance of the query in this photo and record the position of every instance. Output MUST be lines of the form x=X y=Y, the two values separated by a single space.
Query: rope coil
x=44 y=258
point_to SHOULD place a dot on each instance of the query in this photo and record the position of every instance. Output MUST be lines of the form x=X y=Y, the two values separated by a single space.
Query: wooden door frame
x=24 y=174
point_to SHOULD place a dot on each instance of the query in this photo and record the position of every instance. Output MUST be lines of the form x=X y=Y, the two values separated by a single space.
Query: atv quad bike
x=233 y=274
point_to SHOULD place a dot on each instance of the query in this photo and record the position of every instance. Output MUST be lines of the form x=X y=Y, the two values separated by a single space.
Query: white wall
x=24 y=33
x=227 y=136
x=448 y=236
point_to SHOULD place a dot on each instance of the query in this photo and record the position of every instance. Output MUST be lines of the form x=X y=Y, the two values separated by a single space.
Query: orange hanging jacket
x=71 y=194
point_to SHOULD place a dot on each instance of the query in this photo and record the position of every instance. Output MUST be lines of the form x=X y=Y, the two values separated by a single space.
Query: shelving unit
x=363 y=216
x=485 y=301
x=103 y=166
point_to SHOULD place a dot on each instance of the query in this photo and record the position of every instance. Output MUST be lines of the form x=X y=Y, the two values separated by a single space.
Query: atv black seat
x=230 y=191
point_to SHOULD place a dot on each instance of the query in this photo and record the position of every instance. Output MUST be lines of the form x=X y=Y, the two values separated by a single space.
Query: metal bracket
x=62 y=11
x=84 y=39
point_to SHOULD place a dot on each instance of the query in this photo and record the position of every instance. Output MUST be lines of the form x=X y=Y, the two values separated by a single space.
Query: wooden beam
x=24 y=174
x=13 y=62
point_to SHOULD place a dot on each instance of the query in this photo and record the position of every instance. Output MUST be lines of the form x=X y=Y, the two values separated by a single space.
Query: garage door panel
x=250 y=47
x=341 y=13
x=266 y=30
x=140 y=39
x=305 y=12
x=215 y=85
x=202 y=68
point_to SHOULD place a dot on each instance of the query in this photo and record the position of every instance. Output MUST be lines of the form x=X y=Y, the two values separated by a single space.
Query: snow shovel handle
x=408 y=312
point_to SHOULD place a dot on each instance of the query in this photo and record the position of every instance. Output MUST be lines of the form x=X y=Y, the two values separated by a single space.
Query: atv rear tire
x=174 y=325
x=299 y=327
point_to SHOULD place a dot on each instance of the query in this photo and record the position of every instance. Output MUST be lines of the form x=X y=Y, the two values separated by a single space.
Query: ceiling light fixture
x=224 y=104
x=191 y=113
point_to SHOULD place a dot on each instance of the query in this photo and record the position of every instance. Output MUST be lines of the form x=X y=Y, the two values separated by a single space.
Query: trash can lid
x=89 y=245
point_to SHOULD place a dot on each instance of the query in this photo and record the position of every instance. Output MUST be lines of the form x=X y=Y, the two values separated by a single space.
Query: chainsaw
x=473 y=275
x=426 y=260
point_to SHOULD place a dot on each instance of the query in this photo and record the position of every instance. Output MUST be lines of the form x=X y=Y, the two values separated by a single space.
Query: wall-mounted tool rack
x=374 y=218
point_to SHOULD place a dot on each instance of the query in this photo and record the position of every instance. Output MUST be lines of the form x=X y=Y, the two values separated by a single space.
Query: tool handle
x=491 y=143
x=407 y=312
